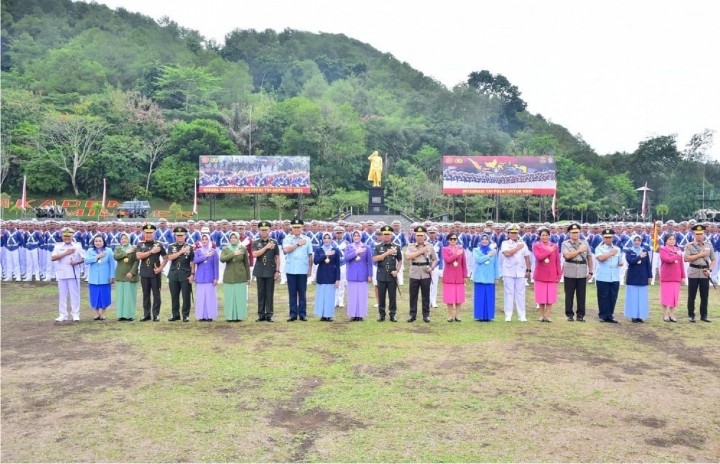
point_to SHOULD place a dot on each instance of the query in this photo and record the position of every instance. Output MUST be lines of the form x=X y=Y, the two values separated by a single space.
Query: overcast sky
x=614 y=71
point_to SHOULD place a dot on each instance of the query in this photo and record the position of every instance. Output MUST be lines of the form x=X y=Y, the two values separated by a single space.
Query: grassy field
x=314 y=391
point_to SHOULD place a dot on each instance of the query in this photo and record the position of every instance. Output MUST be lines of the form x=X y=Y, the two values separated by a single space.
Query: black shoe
x=570 y=319
x=186 y=319
x=156 y=319
x=304 y=319
x=129 y=319
x=610 y=321
x=292 y=319
x=360 y=319
x=580 y=319
x=692 y=319
x=260 y=319
x=269 y=319
x=328 y=319
x=705 y=319
x=381 y=319
x=122 y=319
x=146 y=318
x=412 y=319
x=634 y=320
x=457 y=320
x=392 y=319
x=173 y=319
x=640 y=321
x=426 y=320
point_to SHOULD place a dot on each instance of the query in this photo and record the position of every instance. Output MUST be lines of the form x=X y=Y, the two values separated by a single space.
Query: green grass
x=356 y=391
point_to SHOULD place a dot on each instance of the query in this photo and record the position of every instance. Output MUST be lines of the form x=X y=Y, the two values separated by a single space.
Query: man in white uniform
x=515 y=269
x=66 y=256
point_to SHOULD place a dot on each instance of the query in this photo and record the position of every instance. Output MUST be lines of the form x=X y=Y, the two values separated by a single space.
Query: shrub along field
x=348 y=391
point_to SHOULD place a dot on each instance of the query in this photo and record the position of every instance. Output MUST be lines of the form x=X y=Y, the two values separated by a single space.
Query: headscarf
x=232 y=246
x=485 y=249
x=209 y=246
x=324 y=246
x=631 y=244
x=125 y=247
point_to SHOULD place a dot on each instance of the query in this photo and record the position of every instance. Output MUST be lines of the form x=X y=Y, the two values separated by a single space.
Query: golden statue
x=376 y=166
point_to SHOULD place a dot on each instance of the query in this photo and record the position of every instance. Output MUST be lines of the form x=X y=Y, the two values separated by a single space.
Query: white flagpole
x=23 y=201
x=643 y=211
x=195 y=198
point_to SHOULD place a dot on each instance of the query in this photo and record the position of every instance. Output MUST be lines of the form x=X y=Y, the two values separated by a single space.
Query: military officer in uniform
x=423 y=260
x=701 y=258
x=181 y=274
x=577 y=271
x=266 y=251
x=151 y=255
x=388 y=257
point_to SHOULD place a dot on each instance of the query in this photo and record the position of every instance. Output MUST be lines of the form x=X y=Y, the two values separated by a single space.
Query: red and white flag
x=643 y=211
x=23 y=201
x=102 y=205
x=554 y=206
x=195 y=198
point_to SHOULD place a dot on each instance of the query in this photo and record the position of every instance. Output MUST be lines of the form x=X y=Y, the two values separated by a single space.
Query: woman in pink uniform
x=546 y=274
x=453 y=278
x=672 y=273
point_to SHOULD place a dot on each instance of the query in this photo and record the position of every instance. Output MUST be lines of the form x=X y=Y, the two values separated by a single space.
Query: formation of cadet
x=26 y=249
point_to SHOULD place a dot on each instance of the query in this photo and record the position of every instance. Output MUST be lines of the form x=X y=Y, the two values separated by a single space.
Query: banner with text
x=254 y=174
x=499 y=175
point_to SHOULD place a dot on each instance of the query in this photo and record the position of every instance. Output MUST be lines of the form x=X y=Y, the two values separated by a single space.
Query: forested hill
x=137 y=101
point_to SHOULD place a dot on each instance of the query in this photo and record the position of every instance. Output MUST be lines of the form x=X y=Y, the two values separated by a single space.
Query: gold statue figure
x=376 y=166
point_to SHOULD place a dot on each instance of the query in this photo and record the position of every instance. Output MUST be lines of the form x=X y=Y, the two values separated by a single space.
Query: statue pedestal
x=376 y=201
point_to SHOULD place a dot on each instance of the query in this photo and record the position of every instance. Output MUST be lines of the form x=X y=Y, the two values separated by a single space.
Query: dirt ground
x=535 y=396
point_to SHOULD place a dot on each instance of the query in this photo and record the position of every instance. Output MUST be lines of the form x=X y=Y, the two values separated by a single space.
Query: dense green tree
x=67 y=71
x=22 y=112
x=499 y=87
x=181 y=87
x=190 y=140
x=619 y=192
x=174 y=179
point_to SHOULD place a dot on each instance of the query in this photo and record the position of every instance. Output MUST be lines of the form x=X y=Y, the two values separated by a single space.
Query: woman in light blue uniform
x=101 y=275
x=484 y=275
